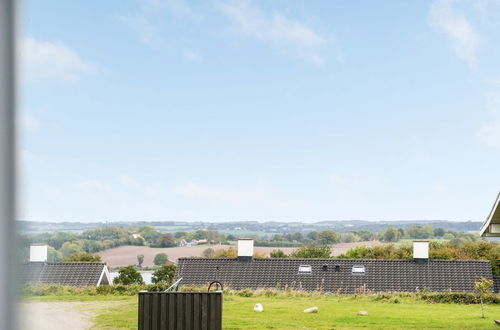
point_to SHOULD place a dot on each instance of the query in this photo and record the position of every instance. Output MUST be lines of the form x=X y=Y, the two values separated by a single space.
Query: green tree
x=483 y=289
x=420 y=232
x=180 y=234
x=349 y=237
x=313 y=235
x=211 y=234
x=298 y=237
x=160 y=259
x=311 y=251
x=439 y=232
x=140 y=259
x=59 y=239
x=165 y=240
x=149 y=233
x=53 y=255
x=278 y=254
x=328 y=237
x=82 y=257
x=391 y=235
x=69 y=248
x=128 y=275
x=164 y=275
x=448 y=236
x=365 y=235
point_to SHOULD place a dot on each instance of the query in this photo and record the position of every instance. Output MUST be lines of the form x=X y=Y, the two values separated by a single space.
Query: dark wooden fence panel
x=180 y=310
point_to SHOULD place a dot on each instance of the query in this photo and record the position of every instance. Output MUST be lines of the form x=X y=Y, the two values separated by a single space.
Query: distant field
x=284 y=312
x=127 y=255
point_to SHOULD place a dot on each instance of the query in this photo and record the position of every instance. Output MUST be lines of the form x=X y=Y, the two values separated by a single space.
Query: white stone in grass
x=363 y=313
x=311 y=310
x=258 y=308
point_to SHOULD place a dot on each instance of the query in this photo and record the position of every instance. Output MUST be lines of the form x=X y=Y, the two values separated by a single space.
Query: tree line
x=63 y=244
x=458 y=250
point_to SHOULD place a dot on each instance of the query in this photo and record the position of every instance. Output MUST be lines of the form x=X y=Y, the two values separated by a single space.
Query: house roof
x=491 y=227
x=335 y=274
x=65 y=273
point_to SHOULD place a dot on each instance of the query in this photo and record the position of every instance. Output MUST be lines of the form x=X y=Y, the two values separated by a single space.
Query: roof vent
x=305 y=269
x=38 y=253
x=421 y=250
x=358 y=270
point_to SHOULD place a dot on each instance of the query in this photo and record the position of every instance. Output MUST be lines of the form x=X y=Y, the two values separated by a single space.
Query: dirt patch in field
x=127 y=255
x=54 y=316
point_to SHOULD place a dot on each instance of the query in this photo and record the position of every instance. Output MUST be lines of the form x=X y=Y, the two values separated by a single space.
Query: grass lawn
x=283 y=312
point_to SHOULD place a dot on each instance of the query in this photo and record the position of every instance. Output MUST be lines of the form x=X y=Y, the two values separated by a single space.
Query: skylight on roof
x=305 y=269
x=358 y=270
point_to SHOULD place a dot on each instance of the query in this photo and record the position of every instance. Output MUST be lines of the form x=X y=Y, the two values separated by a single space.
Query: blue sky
x=282 y=110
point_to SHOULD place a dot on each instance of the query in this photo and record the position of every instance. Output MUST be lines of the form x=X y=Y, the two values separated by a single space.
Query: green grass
x=286 y=312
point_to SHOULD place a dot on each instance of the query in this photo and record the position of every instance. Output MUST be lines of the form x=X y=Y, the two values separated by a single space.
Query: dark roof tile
x=64 y=273
x=380 y=275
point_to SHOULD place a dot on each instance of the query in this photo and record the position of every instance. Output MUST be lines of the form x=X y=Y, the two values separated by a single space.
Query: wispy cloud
x=275 y=28
x=449 y=20
x=177 y=8
x=44 y=61
x=149 y=20
x=146 y=32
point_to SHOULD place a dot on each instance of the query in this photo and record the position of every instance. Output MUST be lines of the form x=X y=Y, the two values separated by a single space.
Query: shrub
x=128 y=275
x=164 y=275
x=160 y=259
x=259 y=255
x=82 y=257
x=311 y=251
x=245 y=293
x=226 y=253
x=278 y=254
x=140 y=259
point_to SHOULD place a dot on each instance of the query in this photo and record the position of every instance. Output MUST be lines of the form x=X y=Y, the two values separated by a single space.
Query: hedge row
x=131 y=290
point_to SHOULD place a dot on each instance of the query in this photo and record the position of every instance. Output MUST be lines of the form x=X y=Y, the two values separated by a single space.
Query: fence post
x=180 y=310
x=7 y=163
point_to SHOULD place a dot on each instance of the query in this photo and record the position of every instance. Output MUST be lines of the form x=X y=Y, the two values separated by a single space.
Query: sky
x=220 y=110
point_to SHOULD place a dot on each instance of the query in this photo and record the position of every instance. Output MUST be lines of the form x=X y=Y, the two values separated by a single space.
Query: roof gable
x=491 y=227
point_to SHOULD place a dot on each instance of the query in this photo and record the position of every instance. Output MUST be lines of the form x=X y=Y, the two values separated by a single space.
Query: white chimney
x=421 y=250
x=38 y=253
x=245 y=247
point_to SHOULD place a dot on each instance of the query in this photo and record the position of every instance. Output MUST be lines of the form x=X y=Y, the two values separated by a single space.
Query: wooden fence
x=180 y=310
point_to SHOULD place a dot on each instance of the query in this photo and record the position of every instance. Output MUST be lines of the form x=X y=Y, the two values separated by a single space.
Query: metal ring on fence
x=216 y=283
